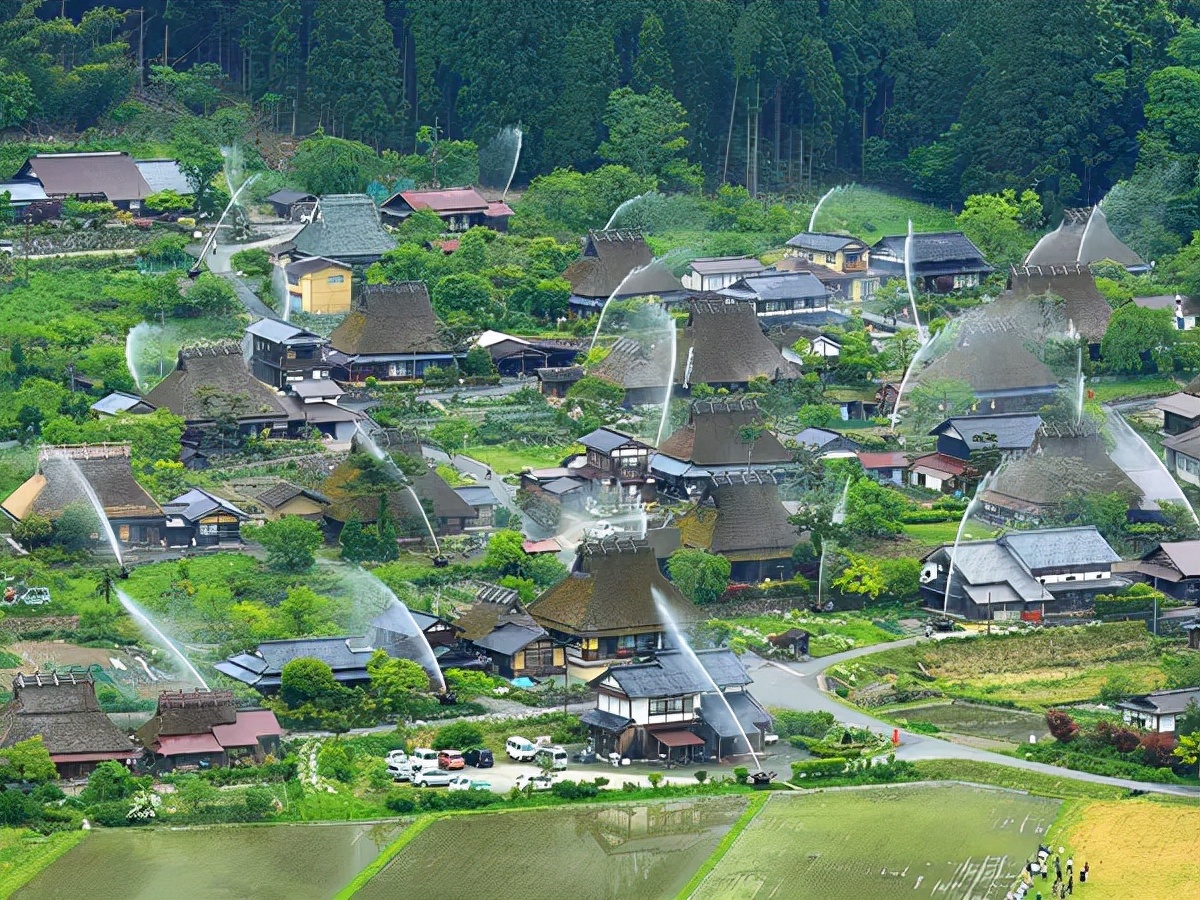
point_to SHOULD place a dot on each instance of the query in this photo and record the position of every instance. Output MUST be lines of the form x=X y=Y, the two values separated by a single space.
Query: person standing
x=1070 y=884
x=1058 y=867
x=1070 y=865
x=1083 y=873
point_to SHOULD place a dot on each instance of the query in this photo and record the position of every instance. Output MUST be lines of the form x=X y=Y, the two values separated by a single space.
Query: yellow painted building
x=319 y=285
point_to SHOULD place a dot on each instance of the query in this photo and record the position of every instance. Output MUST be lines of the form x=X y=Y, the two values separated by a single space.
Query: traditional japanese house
x=205 y=729
x=390 y=334
x=741 y=517
x=135 y=518
x=281 y=354
x=344 y=227
x=606 y=268
x=498 y=626
x=785 y=298
x=513 y=356
x=605 y=609
x=942 y=261
x=197 y=518
x=723 y=346
x=1085 y=308
x=555 y=381
x=1082 y=238
x=110 y=176
x=641 y=368
x=619 y=464
x=965 y=437
x=62 y=709
x=291 y=204
x=711 y=273
x=118 y=402
x=1160 y=710
x=1172 y=567
x=459 y=208
x=287 y=499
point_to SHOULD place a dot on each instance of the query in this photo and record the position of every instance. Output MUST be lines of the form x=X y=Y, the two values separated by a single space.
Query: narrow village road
x=795 y=686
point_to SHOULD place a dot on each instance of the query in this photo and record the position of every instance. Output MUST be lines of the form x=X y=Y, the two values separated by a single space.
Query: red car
x=451 y=760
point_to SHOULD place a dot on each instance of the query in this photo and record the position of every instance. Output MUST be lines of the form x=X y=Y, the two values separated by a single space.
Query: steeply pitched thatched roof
x=390 y=319
x=609 y=592
x=428 y=486
x=751 y=521
x=724 y=344
x=635 y=365
x=608 y=257
x=1086 y=307
x=1083 y=237
x=64 y=711
x=211 y=380
x=712 y=436
x=992 y=361
x=106 y=468
x=346 y=226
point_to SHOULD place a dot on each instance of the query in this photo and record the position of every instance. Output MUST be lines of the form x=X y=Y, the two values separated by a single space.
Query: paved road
x=249 y=299
x=794 y=686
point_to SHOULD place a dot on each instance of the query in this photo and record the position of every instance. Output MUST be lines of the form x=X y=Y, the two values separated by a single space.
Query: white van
x=520 y=749
x=552 y=758
x=423 y=758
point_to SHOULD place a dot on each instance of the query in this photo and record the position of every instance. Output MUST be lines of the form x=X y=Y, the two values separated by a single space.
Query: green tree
x=505 y=554
x=111 y=781
x=306 y=680
x=386 y=546
x=395 y=681
x=478 y=362
x=465 y=293
x=997 y=224
x=652 y=65
x=34 y=530
x=75 y=525
x=358 y=543
x=27 y=760
x=588 y=76
x=1133 y=331
x=291 y=542
x=323 y=164
x=645 y=133
x=1173 y=107
x=458 y=736
x=862 y=576
x=305 y=611
x=701 y=576
x=873 y=511
x=200 y=161
x=17 y=101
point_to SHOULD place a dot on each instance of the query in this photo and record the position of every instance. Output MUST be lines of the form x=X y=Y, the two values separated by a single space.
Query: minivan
x=423 y=758
x=480 y=758
x=519 y=748
x=553 y=758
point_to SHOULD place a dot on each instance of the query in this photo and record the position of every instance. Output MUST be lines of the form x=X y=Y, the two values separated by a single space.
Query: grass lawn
x=1147 y=386
x=24 y=853
x=16 y=465
x=830 y=633
x=1133 y=848
x=506 y=460
x=934 y=534
x=1034 y=670
x=885 y=842
x=870 y=214
x=1062 y=786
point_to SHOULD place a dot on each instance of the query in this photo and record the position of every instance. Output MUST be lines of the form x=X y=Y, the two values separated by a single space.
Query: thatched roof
x=1082 y=238
x=106 y=468
x=635 y=365
x=991 y=361
x=64 y=711
x=211 y=380
x=608 y=257
x=345 y=227
x=1086 y=307
x=712 y=436
x=724 y=344
x=609 y=592
x=390 y=319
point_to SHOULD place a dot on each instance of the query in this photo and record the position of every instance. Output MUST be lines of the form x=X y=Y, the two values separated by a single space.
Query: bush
x=401 y=801
x=111 y=814
x=701 y=776
x=809 y=724
x=459 y=736
x=817 y=768
x=655 y=778
x=1061 y=726
x=580 y=790
x=254 y=261
x=335 y=761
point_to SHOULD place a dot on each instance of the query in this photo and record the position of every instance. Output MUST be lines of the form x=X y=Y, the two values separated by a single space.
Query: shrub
x=581 y=790
x=401 y=802
x=1158 y=750
x=741 y=773
x=460 y=735
x=810 y=724
x=259 y=801
x=111 y=814
x=701 y=776
x=817 y=768
x=655 y=778
x=1061 y=726
x=254 y=261
x=335 y=761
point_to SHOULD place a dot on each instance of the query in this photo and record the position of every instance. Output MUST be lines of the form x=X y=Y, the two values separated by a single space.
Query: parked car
x=554 y=758
x=534 y=782
x=451 y=760
x=423 y=758
x=401 y=771
x=480 y=758
x=519 y=748
x=397 y=756
x=432 y=778
x=467 y=783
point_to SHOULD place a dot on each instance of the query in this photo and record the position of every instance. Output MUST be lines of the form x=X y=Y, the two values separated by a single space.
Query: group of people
x=1041 y=866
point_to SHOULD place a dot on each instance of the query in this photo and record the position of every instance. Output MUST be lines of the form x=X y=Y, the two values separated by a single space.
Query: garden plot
x=935 y=841
x=645 y=850
x=973 y=720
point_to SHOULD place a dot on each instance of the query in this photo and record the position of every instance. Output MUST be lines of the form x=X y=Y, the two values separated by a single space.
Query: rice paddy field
x=618 y=851
x=935 y=841
x=973 y=720
x=235 y=862
x=1134 y=848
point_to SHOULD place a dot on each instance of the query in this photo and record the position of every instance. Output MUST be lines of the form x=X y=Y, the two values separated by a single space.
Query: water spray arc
x=812 y=219
x=516 y=159
x=616 y=292
x=398 y=476
x=195 y=270
x=837 y=518
x=984 y=482
x=665 y=418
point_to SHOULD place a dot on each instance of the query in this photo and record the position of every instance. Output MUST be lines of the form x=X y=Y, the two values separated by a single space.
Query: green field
x=618 y=851
x=235 y=861
x=934 y=534
x=24 y=853
x=506 y=461
x=870 y=214
x=1147 y=386
x=966 y=843
x=992 y=722
x=830 y=633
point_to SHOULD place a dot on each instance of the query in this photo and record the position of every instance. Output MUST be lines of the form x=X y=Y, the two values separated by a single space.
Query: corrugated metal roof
x=825 y=243
x=164 y=175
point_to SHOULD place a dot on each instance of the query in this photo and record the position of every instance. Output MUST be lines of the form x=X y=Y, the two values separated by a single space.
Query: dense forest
x=936 y=98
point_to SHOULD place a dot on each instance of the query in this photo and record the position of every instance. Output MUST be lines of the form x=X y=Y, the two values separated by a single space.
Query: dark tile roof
x=751 y=717
x=560 y=373
x=608 y=258
x=724 y=343
x=311 y=264
x=277 y=496
x=1012 y=432
x=282 y=332
x=477 y=495
x=345 y=226
x=725 y=265
x=119 y=402
x=113 y=174
x=1085 y=307
x=711 y=436
x=1056 y=548
x=672 y=673
x=195 y=504
x=1184 y=556
x=777 y=286
x=508 y=638
x=825 y=243
x=609 y=592
x=106 y=468
x=606 y=440
x=932 y=247
x=218 y=371
x=1163 y=702
x=65 y=714
x=605 y=721
x=289 y=197
x=817 y=437
x=751 y=519
x=1187 y=443
x=390 y=319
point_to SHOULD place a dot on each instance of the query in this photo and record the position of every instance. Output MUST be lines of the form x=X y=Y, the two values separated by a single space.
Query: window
x=831 y=258
x=776 y=305
x=669 y=705
x=539 y=657
x=336 y=279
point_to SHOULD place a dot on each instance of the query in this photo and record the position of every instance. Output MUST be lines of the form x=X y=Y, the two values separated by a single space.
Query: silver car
x=432 y=778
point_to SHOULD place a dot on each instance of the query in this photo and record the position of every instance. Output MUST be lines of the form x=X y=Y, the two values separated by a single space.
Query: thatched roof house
x=212 y=381
x=1086 y=309
x=742 y=518
x=605 y=265
x=724 y=345
x=390 y=332
x=1082 y=238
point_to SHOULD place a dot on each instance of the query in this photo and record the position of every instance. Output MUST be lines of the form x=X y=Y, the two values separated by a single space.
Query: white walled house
x=1182 y=452
x=711 y=273
x=1159 y=710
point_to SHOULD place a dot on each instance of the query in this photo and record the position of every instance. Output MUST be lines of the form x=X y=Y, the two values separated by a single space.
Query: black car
x=480 y=758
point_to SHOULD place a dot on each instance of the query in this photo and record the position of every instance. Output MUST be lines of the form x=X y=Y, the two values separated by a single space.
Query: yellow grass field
x=1135 y=848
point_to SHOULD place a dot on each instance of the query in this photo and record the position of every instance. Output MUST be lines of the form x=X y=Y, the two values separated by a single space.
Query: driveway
x=795 y=686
